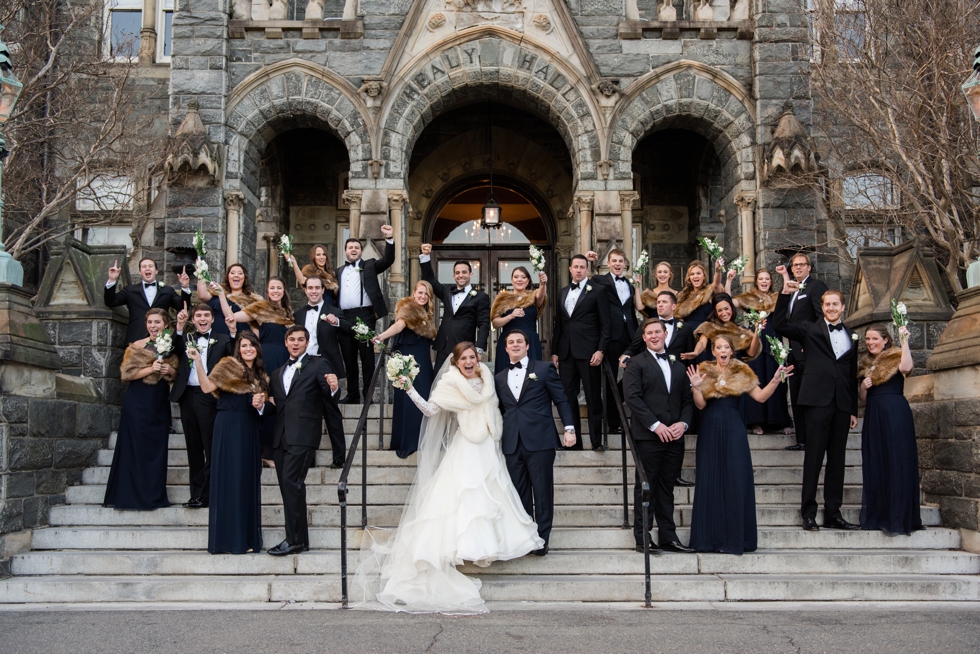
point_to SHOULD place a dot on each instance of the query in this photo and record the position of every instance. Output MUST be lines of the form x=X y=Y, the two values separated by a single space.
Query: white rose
x=902 y=309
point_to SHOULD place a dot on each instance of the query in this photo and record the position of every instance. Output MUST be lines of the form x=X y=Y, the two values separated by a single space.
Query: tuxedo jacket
x=471 y=322
x=807 y=308
x=299 y=415
x=622 y=317
x=586 y=331
x=370 y=269
x=646 y=395
x=326 y=334
x=825 y=378
x=221 y=348
x=134 y=299
x=681 y=341
x=529 y=418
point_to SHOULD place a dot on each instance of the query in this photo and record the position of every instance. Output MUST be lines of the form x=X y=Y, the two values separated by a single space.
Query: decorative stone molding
x=352 y=199
x=234 y=203
x=704 y=12
x=397 y=203
x=376 y=166
x=193 y=158
x=372 y=93
x=741 y=29
x=605 y=168
x=746 y=209
x=311 y=29
x=607 y=92
x=790 y=154
x=666 y=12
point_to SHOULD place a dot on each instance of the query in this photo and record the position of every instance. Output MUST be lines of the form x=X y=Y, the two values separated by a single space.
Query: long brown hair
x=772 y=280
x=327 y=272
x=687 y=275
x=246 y=285
x=882 y=331
x=284 y=302
x=159 y=312
x=460 y=349
x=255 y=375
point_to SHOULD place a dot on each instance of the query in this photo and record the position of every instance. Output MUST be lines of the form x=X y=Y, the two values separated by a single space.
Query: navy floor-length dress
x=889 y=461
x=138 y=476
x=528 y=323
x=723 y=518
x=774 y=412
x=272 y=336
x=235 y=520
x=406 y=418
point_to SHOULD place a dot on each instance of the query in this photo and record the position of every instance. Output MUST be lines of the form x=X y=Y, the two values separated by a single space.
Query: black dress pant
x=799 y=412
x=335 y=429
x=827 y=428
x=292 y=464
x=198 y=411
x=614 y=350
x=354 y=349
x=533 y=474
x=662 y=464
x=574 y=373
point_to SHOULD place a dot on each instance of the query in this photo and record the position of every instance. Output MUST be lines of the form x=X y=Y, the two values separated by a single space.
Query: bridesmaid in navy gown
x=242 y=387
x=519 y=309
x=273 y=316
x=237 y=289
x=138 y=476
x=694 y=300
x=413 y=329
x=723 y=517
x=889 y=456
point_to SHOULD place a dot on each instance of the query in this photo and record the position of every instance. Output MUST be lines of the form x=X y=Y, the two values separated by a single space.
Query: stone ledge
x=349 y=29
x=633 y=29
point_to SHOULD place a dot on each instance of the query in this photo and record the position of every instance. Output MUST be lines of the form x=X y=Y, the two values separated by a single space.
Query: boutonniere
x=854 y=337
x=588 y=287
x=803 y=286
x=473 y=293
x=212 y=341
x=358 y=269
x=672 y=358
x=323 y=316
x=532 y=377
x=298 y=366
x=678 y=324
x=160 y=284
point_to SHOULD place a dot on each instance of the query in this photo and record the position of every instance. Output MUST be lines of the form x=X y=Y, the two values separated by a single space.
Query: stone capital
x=745 y=201
x=234 y=201
x=585 y=202
x=353 y=199
x=397 y=200
x=628 y=200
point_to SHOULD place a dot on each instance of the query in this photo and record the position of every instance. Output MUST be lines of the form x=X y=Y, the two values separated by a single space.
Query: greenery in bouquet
x=364 y=333
x=711 y=246
x=779 y=352
x=285 y=246
x=201 y=269
x=756 y=318
x=738 y=264
x=900 y=314
x=537 y=258
x=642 y=262
x=163 y=343
x=399 y=366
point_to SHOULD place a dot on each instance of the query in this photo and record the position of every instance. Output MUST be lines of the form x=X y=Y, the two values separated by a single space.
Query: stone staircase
x=93 y=554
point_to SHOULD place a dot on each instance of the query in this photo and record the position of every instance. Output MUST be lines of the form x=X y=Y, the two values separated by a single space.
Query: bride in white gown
x=462 y=506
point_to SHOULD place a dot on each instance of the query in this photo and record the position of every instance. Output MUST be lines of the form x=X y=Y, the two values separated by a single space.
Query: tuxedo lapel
x=141 y=295
x=564 y=296
x=652 y=361
x=527 y=378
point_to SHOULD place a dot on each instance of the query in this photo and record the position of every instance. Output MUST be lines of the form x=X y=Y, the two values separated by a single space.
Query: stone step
x=329 y=516
x=577 y=538
x=565 y=562
x=500 y=587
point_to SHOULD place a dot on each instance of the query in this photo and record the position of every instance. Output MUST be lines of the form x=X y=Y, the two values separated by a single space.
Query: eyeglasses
x=800 y=265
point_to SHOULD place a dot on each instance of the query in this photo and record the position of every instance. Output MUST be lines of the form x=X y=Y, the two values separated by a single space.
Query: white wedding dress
x=463 y=507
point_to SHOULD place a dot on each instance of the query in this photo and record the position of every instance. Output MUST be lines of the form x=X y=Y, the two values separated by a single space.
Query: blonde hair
x=670 y=269
x=430 y=305
x=691 y=266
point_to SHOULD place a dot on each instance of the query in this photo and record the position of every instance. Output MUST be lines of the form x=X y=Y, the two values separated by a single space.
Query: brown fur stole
x=416 y=317
x=507 y=300
x=135 y=358
x=688 y=300
x=649 y=298
x=263 y=311
x=230 y=376
x=711 y=329
x=737 y=378
x=757 y=301
x=882 y=367
x=328 y=277
x=241 y=300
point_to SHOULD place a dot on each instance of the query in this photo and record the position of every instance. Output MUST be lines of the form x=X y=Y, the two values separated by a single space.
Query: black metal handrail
x=345 y=473
x=644 y=483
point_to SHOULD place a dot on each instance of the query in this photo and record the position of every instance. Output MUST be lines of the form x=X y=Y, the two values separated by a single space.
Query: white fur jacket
x=477 y=413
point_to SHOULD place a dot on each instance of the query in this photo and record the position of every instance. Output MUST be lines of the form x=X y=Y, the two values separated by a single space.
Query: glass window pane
x=445 y=272
x=105 y=193
x=470 y=233
x=124 y=34
x=168 y=32
x=868 y=191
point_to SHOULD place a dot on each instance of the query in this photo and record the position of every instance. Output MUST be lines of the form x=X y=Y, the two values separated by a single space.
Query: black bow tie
x=669 y=321
x=662 y=356
x=574 y=285
x=312 y=307
x=839 y=326
x=516 y=364
x=149 y=284
x=292 y=362
x=204 y=335
x=353 y=263
x=457 y=291
x=620 y=279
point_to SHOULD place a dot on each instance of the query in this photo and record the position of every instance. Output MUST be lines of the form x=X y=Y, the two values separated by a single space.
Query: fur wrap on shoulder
x=711 y=329
x=230 y=376
x=242 y=300
x=757 y=300
x=882 y=367
x=649 y=298
x=136 y=358
x=507 y=300
x=737 y=379
x=689 y=299
x=328 y=277
x=263 y=311
x=478 y=414
x=416 y=317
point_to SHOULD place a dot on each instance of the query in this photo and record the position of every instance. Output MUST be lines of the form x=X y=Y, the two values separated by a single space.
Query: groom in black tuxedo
x=465 y=310
x=828 y=394
x=144 y=295
x=298 y=390
x=659 y=397
x=580 y=336
x=526 y=390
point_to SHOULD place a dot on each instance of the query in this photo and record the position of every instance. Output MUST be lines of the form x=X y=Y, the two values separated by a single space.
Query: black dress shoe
x=599 y=448
x=683 y=482
x=196 y=503
x=336 y=465
x=350 y=400
x=285 y=548
x=541 y=552
x=654 y=550
x=840 y=523
x=796 y=448
x=675 y=546
x=809 y=524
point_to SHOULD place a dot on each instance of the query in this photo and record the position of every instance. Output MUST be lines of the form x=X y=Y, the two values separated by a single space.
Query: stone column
x=234 y=203
x=585 y=203
x=148 y=33
x=627 y=199
x=396 y=204
x=746 y=212
x=273 y=264
x=353 y=200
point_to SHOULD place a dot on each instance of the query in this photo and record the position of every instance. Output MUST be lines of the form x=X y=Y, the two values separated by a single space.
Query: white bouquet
x=400 y=365
x=738 y=264
x=285 y=245
x=537 y=258
x=201 y=265
x=642 y=262
x=756 y=317
x=779 y=352
x=710 y=246
x=163 y=343
x=900 y=314
x=364 y=333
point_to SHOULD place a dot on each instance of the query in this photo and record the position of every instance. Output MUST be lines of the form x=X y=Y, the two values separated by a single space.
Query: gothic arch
x=289 y=94
x=689 y=95
x=491 y=63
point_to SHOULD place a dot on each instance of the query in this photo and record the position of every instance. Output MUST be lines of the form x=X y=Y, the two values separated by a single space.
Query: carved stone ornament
x=191 y=151
x=372 y=92
x=436 y=21
x=666 y=11
x=543 y=23
x=607 y=92
x=704 y=12
x=790 y=154
x=314 y=10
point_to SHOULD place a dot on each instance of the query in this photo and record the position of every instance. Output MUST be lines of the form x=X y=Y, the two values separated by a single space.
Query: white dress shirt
x=459 y=298
x=839 y=340
x=792 y=300
x=352 y=294
x=574 y=294
x=515 y=378
x=622 y=288
x=665 y=368
x=202 y=346
x=670 y=329
x=288 y=374
x=312 y=316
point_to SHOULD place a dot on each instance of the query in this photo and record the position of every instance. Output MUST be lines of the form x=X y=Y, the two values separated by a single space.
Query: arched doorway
x=453 y=228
